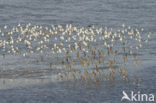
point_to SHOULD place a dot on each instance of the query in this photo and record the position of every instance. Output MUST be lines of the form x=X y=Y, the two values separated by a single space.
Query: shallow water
x=136 y=13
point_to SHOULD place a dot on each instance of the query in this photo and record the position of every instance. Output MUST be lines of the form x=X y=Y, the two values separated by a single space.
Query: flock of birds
x=82 y=53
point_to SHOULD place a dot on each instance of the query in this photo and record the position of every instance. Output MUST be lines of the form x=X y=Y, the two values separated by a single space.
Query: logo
x=137 y=97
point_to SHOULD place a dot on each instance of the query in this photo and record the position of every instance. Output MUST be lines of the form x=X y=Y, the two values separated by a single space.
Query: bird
x=73 y=47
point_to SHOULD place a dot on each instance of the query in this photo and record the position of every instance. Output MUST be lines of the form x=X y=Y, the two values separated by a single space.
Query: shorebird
x=88 y=47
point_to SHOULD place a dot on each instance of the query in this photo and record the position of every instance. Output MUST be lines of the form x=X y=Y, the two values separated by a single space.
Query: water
x=136 y=13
